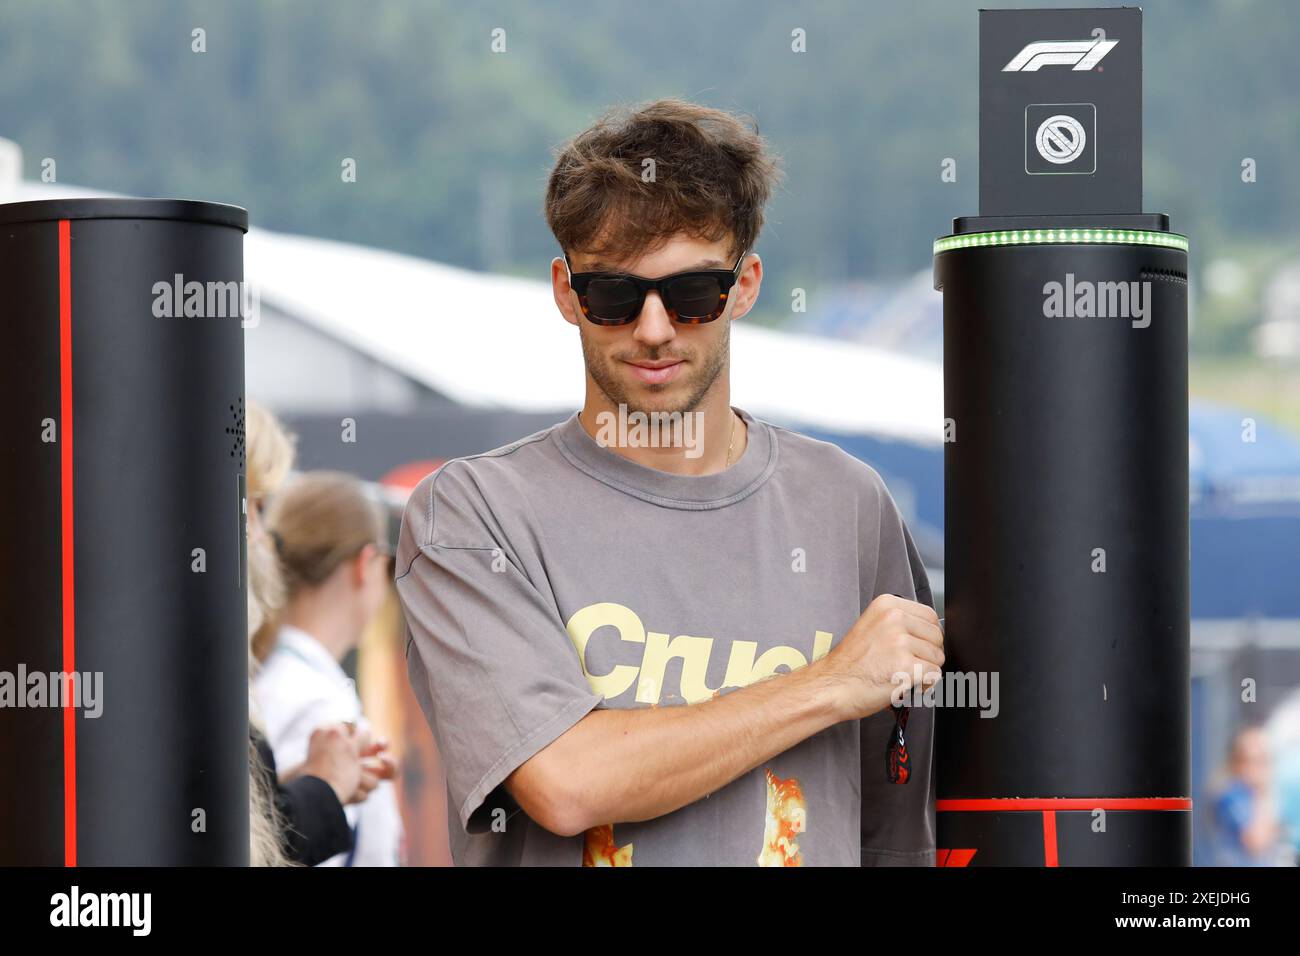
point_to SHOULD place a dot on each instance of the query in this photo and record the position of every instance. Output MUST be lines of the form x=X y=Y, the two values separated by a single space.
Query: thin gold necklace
x=731 y=439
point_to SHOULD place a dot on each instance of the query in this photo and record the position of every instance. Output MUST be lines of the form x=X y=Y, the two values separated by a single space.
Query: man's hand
x=881 y=653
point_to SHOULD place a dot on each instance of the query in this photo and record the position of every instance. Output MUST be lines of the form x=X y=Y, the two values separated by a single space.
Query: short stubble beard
x=607 y=380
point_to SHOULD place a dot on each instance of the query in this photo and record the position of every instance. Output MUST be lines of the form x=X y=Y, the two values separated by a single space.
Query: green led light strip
x=1021 y=237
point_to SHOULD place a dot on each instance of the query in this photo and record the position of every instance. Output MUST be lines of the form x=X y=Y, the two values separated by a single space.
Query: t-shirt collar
x=689 y=492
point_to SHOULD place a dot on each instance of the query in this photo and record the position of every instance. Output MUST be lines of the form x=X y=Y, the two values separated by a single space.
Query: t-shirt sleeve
x=898 y=824
x=489 y=658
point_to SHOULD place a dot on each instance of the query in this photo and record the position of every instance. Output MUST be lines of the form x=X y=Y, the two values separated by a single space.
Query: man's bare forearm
x=626 y=765
x=619 y=765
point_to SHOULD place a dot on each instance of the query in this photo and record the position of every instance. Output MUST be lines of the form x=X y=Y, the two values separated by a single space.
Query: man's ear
x=563 y=292
x=747 y=286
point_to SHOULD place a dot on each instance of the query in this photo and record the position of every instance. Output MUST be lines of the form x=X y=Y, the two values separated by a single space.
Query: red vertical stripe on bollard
x=69 y=592
x=1049 y=838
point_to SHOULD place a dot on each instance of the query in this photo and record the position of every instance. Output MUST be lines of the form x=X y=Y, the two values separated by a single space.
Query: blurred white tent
x=495 y=341
x=347 y=326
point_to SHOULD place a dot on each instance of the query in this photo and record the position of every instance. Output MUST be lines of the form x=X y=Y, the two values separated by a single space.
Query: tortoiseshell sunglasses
x=692 y=298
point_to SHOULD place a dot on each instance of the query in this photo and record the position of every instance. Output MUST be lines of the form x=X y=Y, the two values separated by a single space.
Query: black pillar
x=1066 y=474
x=124 y=553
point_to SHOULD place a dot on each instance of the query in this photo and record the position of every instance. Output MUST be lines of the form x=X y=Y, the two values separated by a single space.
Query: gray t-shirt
x=554 y=576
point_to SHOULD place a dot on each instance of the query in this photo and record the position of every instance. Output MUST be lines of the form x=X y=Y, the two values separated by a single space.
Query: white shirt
x=300 y=687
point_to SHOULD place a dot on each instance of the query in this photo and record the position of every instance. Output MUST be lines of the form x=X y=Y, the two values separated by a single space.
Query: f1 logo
x=1079 y=54
x=1060 y=139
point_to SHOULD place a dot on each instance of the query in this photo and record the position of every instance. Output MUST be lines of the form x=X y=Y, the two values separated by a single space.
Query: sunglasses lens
x=612 y=300
x=696 y=298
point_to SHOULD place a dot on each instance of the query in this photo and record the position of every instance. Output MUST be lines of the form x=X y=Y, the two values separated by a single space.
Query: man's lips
x=656 y=373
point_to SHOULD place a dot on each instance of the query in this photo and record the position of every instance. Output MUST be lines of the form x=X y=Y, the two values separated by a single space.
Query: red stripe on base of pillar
x=1009 y=804
x=961 y=857
x=1049 y=838
x=69 y=592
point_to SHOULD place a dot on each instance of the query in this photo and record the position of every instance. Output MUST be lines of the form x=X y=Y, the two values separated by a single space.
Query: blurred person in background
x=1284 y=741
x=330 y=539
x=299 y=821
x=1247 y=832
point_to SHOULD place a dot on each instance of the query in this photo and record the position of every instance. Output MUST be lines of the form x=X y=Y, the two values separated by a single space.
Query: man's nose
x=654 y=325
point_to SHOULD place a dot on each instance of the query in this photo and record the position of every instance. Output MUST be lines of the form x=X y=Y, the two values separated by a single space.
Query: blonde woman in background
x=331 y=541
x=300 y=820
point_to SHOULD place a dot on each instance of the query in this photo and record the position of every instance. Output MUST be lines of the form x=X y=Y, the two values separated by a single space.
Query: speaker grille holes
x=236 y=431
x=1165 y=275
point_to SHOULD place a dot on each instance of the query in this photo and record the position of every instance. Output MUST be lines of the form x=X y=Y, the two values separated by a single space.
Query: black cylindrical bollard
x=124 y=546
x=1066 y=539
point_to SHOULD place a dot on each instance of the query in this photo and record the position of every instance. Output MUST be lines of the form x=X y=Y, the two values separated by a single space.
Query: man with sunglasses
x=630 y=655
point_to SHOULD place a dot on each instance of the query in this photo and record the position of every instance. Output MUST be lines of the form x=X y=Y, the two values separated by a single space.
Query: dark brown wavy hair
x=713 y=175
